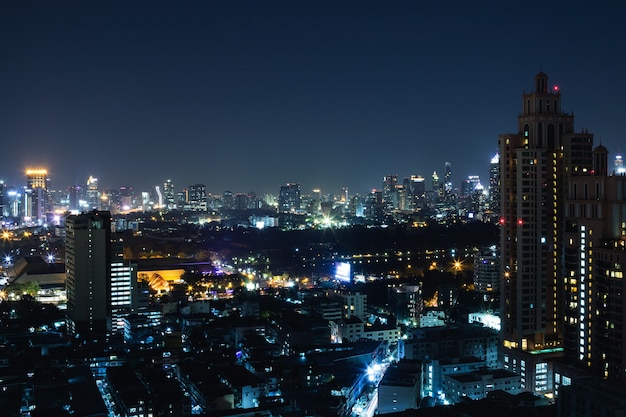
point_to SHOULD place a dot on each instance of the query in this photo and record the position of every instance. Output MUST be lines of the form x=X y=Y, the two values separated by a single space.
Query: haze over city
x=246 y=96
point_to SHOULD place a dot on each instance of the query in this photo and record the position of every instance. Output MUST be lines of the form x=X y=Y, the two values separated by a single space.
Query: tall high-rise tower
x=289 y=198
x=36 y=193
x=494 y=186
x=101 y=286
x=169 y=194
x=594 y=262
x=92 y=193
x=535 y=165
x=618 y=164
x=88 y=257
x=389 y=190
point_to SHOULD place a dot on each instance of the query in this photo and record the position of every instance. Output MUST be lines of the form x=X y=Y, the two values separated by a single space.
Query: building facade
x=88 y=257
x=594 y=259
x=102 y=287
x=536 y=164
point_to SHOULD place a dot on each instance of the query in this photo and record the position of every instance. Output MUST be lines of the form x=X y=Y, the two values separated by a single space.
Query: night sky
x=248 y=95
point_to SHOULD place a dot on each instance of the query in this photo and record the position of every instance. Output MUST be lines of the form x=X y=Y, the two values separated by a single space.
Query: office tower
x=88 y=257
x=37 y=198
x=228 y=200
x=418 y=191
x=435 y=181
x=494 y=186
x=289 y=198
x=160 y=203
x=101 y=286
x=196 y=198
x=169 y=194
x=126 y=195
x=469 y=186
x=407 y=198
x=618 y=164
x=447 y=181
x=374 y=206
x=594 y=260
x=182 y=198
x=14 y=201
x=92 y=194
x=471 y=195
x=4 y=212
x=536 y=164
x=389 y=191
x=241 y=201
x=315 y=206
x=123 y=287
x=146 y=199
x=73 y=197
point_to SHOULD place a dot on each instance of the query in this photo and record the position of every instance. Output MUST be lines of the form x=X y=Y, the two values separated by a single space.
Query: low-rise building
x=478 y=384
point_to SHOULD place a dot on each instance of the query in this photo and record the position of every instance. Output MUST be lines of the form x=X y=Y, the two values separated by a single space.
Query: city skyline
x=243 y=96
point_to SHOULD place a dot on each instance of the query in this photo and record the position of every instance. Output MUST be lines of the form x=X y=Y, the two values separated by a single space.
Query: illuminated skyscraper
x=3 y=202
x=620 y=169
x=494 y=186
x=289 y=198
x=92 y=194
x=126 y=195
x=389 y=191
x=535 y=166
x=101 y=286
x=87 y=266
x=447 y=181
x=169 y=194
x=197 y=198
x=36 y=195
x=435 y=181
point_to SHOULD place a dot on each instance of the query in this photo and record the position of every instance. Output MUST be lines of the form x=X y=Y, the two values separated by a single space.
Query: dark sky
x=249 y=95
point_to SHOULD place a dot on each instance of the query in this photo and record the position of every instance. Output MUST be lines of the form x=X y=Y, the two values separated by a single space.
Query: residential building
x=536 y=164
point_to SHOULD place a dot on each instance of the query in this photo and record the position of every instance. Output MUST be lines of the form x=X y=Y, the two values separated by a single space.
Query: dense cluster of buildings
x=555 y=344
x=38 y=203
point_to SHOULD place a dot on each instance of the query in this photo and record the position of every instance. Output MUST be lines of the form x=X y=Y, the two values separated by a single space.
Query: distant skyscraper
x=389 y=191
x=228 y=200
x=494 y=186
x=126 y=194
x=240 y=202
x=536 y=164
x=469 y=186
x=289 y=198
x=73 y=197
x=447 y=180
x=197 y=198
x=620 y=169
x=36 y=190
x=4 y=212
x=92 y=194
x=344 y=195
x=182 y=198
x=169 y=194
x=435 y=181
